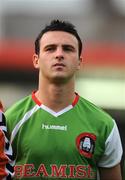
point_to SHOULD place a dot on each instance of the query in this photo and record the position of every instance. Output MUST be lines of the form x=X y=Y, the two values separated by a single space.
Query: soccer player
x=6 y=160
x=55 y=133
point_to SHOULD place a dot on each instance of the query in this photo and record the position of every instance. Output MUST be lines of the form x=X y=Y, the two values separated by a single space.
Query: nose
x=59 y=53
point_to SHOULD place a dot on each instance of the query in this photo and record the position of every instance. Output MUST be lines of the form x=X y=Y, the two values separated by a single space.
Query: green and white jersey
x=69 y=144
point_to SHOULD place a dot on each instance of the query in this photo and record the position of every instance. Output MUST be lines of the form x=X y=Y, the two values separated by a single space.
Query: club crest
x=85 y=143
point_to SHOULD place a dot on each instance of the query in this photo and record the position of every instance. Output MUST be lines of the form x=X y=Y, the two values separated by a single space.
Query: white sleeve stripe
x=113 y=149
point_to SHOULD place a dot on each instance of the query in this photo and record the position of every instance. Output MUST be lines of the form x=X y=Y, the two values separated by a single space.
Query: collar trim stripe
x=39 y=103
x=75 y=100
x=47 y=109
x=35 y=99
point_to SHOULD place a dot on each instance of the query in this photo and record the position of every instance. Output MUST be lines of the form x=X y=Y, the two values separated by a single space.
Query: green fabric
x=49 y=144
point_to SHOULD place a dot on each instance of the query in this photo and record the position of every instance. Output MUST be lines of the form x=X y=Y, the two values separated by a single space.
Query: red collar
x=36 y=100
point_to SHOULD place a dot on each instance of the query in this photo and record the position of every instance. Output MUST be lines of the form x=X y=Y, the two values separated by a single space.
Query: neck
x=56 y=96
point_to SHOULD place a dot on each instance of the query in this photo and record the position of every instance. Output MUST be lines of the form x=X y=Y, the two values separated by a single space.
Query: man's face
x=58 y=58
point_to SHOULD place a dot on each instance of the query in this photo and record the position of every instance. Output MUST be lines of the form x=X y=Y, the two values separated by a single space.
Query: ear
x=36 y=61
x=79 y=62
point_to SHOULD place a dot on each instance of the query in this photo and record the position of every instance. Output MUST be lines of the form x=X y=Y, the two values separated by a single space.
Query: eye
x=50 y=48
x=68 y=48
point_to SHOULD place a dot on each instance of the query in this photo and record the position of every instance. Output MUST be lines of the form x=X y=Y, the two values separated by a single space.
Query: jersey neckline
x=36 y=100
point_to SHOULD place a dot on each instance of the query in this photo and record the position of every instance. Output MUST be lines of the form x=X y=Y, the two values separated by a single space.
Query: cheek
x=44 y=65
x=76 y=63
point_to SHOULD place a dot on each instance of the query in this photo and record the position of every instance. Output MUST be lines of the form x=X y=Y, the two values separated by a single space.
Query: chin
x=59 y=79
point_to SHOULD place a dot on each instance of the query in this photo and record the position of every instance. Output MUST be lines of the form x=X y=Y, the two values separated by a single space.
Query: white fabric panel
x=113 y=149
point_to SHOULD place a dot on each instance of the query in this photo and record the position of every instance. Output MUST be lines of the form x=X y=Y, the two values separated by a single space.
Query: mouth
x=59 y=65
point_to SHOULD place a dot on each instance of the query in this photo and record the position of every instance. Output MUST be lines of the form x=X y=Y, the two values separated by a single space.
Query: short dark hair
x=57 y=25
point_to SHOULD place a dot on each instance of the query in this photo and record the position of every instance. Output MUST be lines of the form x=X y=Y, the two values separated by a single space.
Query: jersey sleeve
x=113 y=149
x=6 y=158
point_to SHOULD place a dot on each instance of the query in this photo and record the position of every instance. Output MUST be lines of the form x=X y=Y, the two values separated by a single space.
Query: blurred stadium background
x=101 y=25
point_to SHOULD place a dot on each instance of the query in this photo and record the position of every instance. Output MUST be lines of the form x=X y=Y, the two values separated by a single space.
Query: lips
x=59 y=65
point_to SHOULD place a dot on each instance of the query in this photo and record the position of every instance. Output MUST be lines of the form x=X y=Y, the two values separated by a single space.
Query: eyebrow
x=64 y=46
x=50 y=45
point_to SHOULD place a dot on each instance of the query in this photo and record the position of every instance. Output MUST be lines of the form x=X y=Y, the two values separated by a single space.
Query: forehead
x=58 y=37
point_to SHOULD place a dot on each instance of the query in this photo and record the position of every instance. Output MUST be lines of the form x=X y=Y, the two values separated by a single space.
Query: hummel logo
x=54 y=127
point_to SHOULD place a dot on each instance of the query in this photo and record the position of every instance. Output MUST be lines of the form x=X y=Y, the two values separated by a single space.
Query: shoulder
x=20 y=105
x=93 y=109
x=95 y=114
x=18 y=110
